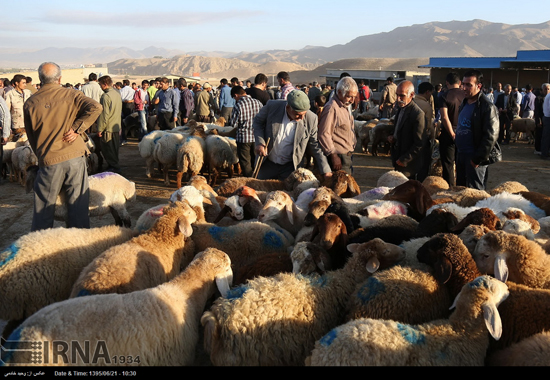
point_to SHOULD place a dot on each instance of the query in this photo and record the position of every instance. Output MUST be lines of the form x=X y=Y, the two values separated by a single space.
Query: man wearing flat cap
x=336 y=126
x=291 y=129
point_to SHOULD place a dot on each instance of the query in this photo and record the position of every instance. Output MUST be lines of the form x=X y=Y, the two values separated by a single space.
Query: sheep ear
x=423 y=200
x=289 y=213
x=224 y=283
x=492 y=319
x=501 y=269
x=354 y=247
x=443 y=270
x=373 y=264
x=184 y=226
x=207 y=201
x=222 y=213
x=314 y=232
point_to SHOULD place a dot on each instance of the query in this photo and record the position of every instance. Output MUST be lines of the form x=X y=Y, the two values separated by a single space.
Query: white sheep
x=461 y=340
x=146 y=148
x=190 y=157
x=503 y=201
x=41 y=267
x=276 y=320
x=391 y=179
x=22 y=158
x=148 y=260
x=165 y=152
x=220 y=155
x=152 y=327
x=531 y=351
x=281 y=209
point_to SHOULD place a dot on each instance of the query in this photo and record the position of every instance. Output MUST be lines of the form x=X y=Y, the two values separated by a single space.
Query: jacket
x=410 y=136
x=485 y=129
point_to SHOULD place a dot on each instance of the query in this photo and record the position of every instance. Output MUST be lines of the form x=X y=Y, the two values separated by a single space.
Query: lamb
x=460 y=340
x=511 y=187
x=504 y=200
x=40 y=267
x=322 y=198
x=282 y=210
x=165 y=152
x=513 y=257
x=380 y=135
x=22 y=158
x=309 y=258
x=516 y=213
x=245 y=204
x=190 y=157
x=540 y=200
x=276 y=320
x=471 y=235
x=531 y=351
x=109 y=193
x=146 y=148
x=243 y=242
x=524 y=313
x=330 y=233
x=392 y=229
x=391 y=179
x=482 y=216
x=434 y=183
x=343 y=184
x=148 y=260
x=164 y=332
x=523 y=125
x=220 y=155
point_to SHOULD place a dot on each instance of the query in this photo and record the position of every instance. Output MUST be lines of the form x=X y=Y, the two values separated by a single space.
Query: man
x=109 y=123
x=291 y=129
x=244 y=111
x=30 y=86
x=424 y=100
x=54 y=119
x=527 y=110
x=128 y=106
x=336 y=127
x=205 y=105
x=545 y=139
x=449 y=102
x=476 y=134
x=92 y=88
x=364 y=96
x=539 y=115
x=5 y=127
x=409 y=134
x=141 y=102
x=497 y=91
x=286 y=86
x=313 y=92
x=15 y=99
x=504 y=121
x=187 y=101
x=387 y=98
x=154 y=85
x=226 y=101
x=167 y=103
x=258 y=91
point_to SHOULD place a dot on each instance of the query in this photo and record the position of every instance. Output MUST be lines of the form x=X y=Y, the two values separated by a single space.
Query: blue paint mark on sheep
x=410 y=334
x=217 y=233
x=480 y=282
x=370 y=289
x=83 y=293
x=272 y=240
x=237 y=292
x=156 y=139
x=328 y=338
x=9 y=254
x=103 y=175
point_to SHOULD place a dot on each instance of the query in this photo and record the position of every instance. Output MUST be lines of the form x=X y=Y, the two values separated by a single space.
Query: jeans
x=143 y=123
x=545 y=140
x=467 y=175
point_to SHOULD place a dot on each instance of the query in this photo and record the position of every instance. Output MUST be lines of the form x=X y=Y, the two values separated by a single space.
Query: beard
x=401 y=103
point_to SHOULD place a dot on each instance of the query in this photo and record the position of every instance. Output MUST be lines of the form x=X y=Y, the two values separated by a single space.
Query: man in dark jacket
x=410 y=134
x=476 y=134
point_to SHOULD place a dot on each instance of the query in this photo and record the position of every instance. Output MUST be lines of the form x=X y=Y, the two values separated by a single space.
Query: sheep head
x=218 y=264
x=322 y=198
x=483 y=216
x=308 y=258
x=375 y=254
x=491 y=292
x=491 y=254
x=277 y=202
x=330 y=229
x=413 y=193
x=245 y=193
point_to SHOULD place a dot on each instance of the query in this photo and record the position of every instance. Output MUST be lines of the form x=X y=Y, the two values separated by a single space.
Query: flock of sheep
x=285 y=273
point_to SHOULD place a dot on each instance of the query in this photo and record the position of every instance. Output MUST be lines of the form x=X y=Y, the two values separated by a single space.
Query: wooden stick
x=259 y=161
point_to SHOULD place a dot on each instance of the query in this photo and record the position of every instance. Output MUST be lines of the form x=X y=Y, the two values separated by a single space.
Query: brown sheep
x=343 y=184
x=483 y=216
x=331 y=234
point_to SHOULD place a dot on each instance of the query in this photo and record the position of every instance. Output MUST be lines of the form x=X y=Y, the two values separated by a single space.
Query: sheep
x=540 y=200
x=504 y=200
x=511 y=187
x=391 y=179
x=193 y=197
x=471 y=235
x=200 y=183
x=459 y=211
x=321 y=199
x=309 y=258
x=407 y=292
x=523 y=125
x=22 y=158
x=148 y=260
x=245 y=204
x=380 y=135
x=41 y=267
x=464 y=197
x=460 y=340
x=266 y=265
x=190 y=157
x=437 y=221
x=243 y=242
x=513 y=257
x=482 y=216
x=516 y=213
x=382 y=209
x=165 y=152
x=524 y=313
x=7 y=164
x=518 y=227
x=146 y=148
x=282 y=210
x=109 y=193
x=434 y=183
x=343 y=184
x=373 y=194
x=330 y=233
x=152 y=327
x=531 y=351
x=220 y=155
x=276 y=320
x=391 y=229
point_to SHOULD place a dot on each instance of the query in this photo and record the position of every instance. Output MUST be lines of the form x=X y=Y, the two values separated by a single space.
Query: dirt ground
x=519 y=164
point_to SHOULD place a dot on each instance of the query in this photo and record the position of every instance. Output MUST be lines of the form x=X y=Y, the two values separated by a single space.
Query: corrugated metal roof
x=488 y=62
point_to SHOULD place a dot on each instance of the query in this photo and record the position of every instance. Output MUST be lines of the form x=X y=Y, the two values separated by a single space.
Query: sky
x=230 y=26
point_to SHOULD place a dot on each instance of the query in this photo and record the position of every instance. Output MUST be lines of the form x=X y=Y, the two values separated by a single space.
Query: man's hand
x=4 y=140
x=398 y=162
x=473 y=165
x=327 y=175
x=99 y=134
x=336 y=162
x=261 y=150
x=70 y=136
x=391 y=139
x=184 y=120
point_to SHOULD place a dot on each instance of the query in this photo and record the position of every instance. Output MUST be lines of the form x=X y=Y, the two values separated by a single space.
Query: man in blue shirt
x=226 y=101
x=476 y=134
x=167 y=102
x=528 y=103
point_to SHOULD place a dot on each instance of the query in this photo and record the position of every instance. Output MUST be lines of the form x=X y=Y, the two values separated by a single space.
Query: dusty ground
x=519 y=164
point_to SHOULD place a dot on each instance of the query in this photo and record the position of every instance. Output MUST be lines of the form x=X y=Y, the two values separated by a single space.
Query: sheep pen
x=16 y=205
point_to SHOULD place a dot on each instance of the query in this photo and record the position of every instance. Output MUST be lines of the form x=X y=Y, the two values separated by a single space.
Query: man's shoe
x=505 y=142
x=537 y=152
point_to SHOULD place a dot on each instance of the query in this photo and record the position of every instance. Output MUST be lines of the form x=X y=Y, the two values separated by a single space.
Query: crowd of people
x=287 y=124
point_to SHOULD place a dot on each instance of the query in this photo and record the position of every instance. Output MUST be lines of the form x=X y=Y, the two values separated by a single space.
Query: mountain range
x=474 y=38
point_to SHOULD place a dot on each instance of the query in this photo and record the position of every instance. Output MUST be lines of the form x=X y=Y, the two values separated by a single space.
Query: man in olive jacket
x=109 y=123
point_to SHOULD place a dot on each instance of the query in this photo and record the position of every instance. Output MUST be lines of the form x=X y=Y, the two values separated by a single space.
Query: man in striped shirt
x=243 y=114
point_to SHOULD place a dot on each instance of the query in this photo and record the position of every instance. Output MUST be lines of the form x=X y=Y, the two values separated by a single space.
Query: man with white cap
x=291 y=129
x=205 y=105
